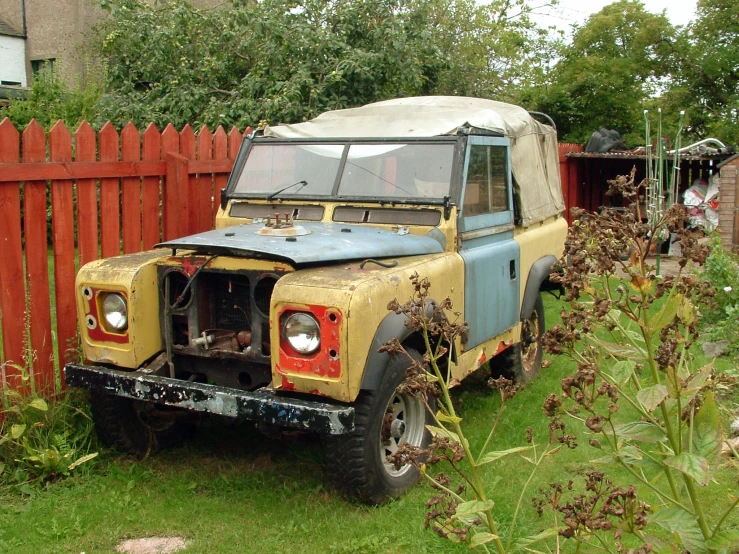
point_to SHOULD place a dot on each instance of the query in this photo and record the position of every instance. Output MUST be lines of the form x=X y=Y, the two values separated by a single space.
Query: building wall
x=728 y=226
x=13 y=60
x=59 y=30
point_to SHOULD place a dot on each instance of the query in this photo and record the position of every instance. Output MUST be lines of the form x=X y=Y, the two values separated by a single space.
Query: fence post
x=175 y=184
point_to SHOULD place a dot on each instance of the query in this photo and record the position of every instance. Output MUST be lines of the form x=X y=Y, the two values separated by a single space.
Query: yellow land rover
x=277 y=315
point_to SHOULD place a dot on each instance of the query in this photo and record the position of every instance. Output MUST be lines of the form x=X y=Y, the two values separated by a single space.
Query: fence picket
x=131 y=195
x=150 y=195
x=37 y=262
x=12 y=295
x=170 y=145
x=204 y=184
x=187 y=208
x=110 y=213
x=62 y=226
x=87 y=203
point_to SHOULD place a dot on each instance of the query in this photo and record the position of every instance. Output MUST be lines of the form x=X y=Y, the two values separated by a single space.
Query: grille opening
x=178 y=292
x=180 y=331
x=263 y=293
x=230 y=309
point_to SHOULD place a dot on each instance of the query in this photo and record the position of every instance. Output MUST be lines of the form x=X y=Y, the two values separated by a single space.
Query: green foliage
x=648 y=406
x=50 y=100
x=721 y=270
x=276 y=60
x=708 y=77
x=41 y=439
x=617 y=61
x=290 y=60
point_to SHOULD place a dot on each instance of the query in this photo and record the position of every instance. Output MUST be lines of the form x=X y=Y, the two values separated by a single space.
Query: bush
x=41 y=439
x=51 y=100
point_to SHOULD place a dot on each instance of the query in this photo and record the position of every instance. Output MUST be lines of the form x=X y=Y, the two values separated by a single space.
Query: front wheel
x=384 y=418
x=522 y=361
x=135 y=427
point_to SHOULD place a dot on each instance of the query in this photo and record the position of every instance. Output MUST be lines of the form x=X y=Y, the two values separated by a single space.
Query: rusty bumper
x=260 y=405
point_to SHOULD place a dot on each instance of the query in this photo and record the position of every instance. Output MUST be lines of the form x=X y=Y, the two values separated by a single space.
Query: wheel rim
x=530 y=330
x=405 y=421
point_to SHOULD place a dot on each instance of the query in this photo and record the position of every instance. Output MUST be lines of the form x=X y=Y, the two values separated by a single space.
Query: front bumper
x=260 y=405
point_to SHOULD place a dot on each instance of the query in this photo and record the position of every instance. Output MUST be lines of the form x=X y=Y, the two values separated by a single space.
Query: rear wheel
x=522 y=361
x=384 y=418
x=135 y=427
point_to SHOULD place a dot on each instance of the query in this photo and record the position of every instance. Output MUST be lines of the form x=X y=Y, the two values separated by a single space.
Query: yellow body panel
x=362 y=296
x=537 y=241
x=134 y=275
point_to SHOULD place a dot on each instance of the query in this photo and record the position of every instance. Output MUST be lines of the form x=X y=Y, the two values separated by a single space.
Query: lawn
x=234 y=490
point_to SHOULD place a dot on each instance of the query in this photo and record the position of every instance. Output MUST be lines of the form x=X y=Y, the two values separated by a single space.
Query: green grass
x=233 y=490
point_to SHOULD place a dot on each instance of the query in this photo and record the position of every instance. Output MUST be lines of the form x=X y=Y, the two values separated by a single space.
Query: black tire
x=356 y=461
x=522 y=361
x=135 y=427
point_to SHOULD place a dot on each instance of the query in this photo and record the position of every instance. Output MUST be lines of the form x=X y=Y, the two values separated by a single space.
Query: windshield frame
x=459 y=143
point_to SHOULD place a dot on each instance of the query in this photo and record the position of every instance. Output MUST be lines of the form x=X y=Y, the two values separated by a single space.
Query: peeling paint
x=261 y=405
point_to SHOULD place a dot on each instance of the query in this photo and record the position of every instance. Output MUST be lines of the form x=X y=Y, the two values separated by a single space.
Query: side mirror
x=224 y=199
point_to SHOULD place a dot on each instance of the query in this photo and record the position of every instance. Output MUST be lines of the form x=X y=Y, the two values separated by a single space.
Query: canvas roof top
x=534 y=153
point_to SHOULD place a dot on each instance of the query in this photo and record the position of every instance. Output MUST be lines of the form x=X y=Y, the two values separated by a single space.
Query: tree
x=288 y=60
x=273 y=60
x=707 y=83
x=618 y=61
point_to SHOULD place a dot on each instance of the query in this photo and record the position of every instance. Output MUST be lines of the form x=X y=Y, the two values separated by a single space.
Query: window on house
x=38 y=65
x=486 y=190
x=11 y=83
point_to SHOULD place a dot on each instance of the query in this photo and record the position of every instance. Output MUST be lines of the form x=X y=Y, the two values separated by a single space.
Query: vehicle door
x=491 y=256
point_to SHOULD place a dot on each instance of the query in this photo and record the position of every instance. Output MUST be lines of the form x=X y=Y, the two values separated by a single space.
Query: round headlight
x=115 y=311
x=303 y=333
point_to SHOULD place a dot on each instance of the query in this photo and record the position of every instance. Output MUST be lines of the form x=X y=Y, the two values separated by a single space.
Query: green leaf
x=39 y=404
x=622 y=371
x=724 y=540
x=497 y=455
x=691 y=465
x=619 y=351
x=441 y=432
x=440 y=416
x=2 y=467
x=82 y=460
x=17 y=430
x=641 y=431
x=473 y=507
x=667 y=314
x=693 y=539
x=523 y=543
x=481 y=538
x=651 y=397
x=707 y=439
x=672 y=519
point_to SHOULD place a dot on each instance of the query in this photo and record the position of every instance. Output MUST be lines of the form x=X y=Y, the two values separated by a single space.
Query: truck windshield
x=389 y=170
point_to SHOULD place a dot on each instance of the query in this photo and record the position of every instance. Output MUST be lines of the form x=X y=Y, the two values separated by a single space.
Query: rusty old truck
x=277 y=315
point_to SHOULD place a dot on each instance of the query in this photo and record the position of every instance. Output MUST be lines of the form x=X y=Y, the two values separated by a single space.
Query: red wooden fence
x=108 y=194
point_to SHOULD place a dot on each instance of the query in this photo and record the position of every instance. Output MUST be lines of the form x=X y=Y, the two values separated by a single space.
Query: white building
x=12 y=56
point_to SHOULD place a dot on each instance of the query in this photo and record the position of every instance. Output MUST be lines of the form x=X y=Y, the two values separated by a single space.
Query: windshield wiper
x=283 y=189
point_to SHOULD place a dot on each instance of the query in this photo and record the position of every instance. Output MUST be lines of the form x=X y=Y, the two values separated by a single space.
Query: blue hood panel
x=326 y=242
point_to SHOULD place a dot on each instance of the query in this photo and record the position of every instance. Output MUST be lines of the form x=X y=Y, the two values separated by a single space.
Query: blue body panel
x=491 y=262
x=326 y=243
x=491 y=296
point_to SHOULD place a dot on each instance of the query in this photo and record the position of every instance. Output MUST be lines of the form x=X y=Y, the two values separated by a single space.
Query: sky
x=679 y=12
